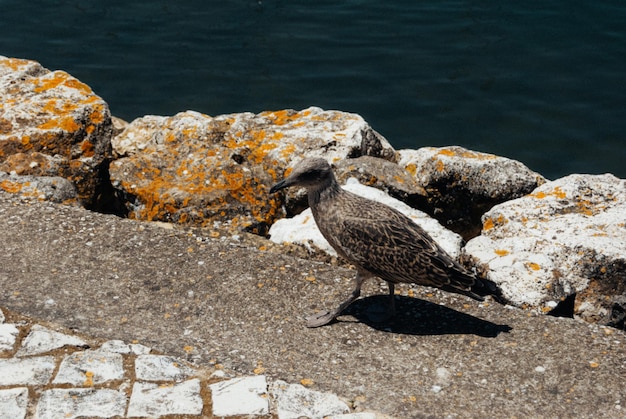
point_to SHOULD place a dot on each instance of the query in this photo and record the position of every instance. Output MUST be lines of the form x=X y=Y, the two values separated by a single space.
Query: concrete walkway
x=47 y=372
x=209 y=298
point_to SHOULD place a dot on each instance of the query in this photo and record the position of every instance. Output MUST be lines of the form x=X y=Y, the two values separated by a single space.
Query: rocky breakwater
x=52 y=125
x=554 y=246
x=193 y=168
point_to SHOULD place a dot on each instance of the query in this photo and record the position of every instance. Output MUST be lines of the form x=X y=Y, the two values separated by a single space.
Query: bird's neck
x=323 y=191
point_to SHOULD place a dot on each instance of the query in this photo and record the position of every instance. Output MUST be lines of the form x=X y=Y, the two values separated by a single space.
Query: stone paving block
x=90 y=367
x=121 y=347
x=294 y=401
x=240 y=396
x=161 y=368
x=41 y=340
x=74 y=403
x=28 y=371
x=153 y=400
x=8 y=334
x=13 y=403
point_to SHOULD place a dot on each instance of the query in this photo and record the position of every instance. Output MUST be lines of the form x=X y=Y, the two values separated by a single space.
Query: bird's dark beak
x=280 y=185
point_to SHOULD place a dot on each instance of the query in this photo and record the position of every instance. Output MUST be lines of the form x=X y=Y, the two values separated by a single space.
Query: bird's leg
x=321 y=319
x=392 y=300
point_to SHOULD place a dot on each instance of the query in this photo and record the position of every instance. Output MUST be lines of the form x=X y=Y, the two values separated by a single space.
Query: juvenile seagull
x=378 y=240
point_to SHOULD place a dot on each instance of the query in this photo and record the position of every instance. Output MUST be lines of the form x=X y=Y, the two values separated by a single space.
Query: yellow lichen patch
x=440 y=167
x=306 y=382
x=557 y=192
x=491 y=223
x=50 y=81
x=14 y=63
x=87 y=148
x=288 y=150
x=260 y=369
x=411 y=168
x=585 y=207
x=11 y=187
x=77 y=85
x=534 y=266
x=501 y=252
x=468 y=154
x=66 y=123
x=88 y=379
x=97 y=115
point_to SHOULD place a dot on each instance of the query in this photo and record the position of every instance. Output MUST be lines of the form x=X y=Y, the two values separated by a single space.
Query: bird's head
x=311 y=173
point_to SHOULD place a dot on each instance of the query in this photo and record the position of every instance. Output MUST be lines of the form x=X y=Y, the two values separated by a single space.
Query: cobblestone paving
x=46 y=372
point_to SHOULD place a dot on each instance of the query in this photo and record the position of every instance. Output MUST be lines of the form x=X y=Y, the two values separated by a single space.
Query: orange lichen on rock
x=11 y=187
x=501 y=252
x=491 y=223
x=464 y=153
x=14 y=63
x=557 y=192
x=534 y=266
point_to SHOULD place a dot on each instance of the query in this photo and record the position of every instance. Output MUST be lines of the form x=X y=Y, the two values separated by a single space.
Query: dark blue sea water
x=543 y=82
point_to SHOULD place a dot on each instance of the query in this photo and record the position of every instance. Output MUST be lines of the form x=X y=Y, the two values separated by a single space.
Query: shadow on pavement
x=419 y=317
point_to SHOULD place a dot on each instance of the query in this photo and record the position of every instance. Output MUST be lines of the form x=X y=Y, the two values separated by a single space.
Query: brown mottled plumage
x=378 y=240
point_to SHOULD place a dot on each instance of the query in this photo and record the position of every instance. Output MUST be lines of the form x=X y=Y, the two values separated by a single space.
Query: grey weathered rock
x=566 y=238
x=48 y=188
x=462 y=184
x=384 y=175
x=193 y=168
x=51 y=124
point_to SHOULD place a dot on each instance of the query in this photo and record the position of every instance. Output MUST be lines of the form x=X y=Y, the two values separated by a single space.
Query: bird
x=378 y=241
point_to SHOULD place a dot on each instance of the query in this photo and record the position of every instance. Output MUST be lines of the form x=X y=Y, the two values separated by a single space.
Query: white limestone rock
x=302 y=229
x=161 y=368
x=26 y=371
x=41 y=340
x=294 y=401
x=240 y=396
x=13 y=403
x=8 y=335
x=154 y=400
x=79 y=402
x=567 y=237
x=86 y=368
x=122 y=347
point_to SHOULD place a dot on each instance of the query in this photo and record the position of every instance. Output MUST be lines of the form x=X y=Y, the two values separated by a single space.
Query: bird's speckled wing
x=385 y=242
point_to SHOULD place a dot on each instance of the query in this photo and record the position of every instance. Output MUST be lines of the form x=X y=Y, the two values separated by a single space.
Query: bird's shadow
x=419 y=317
